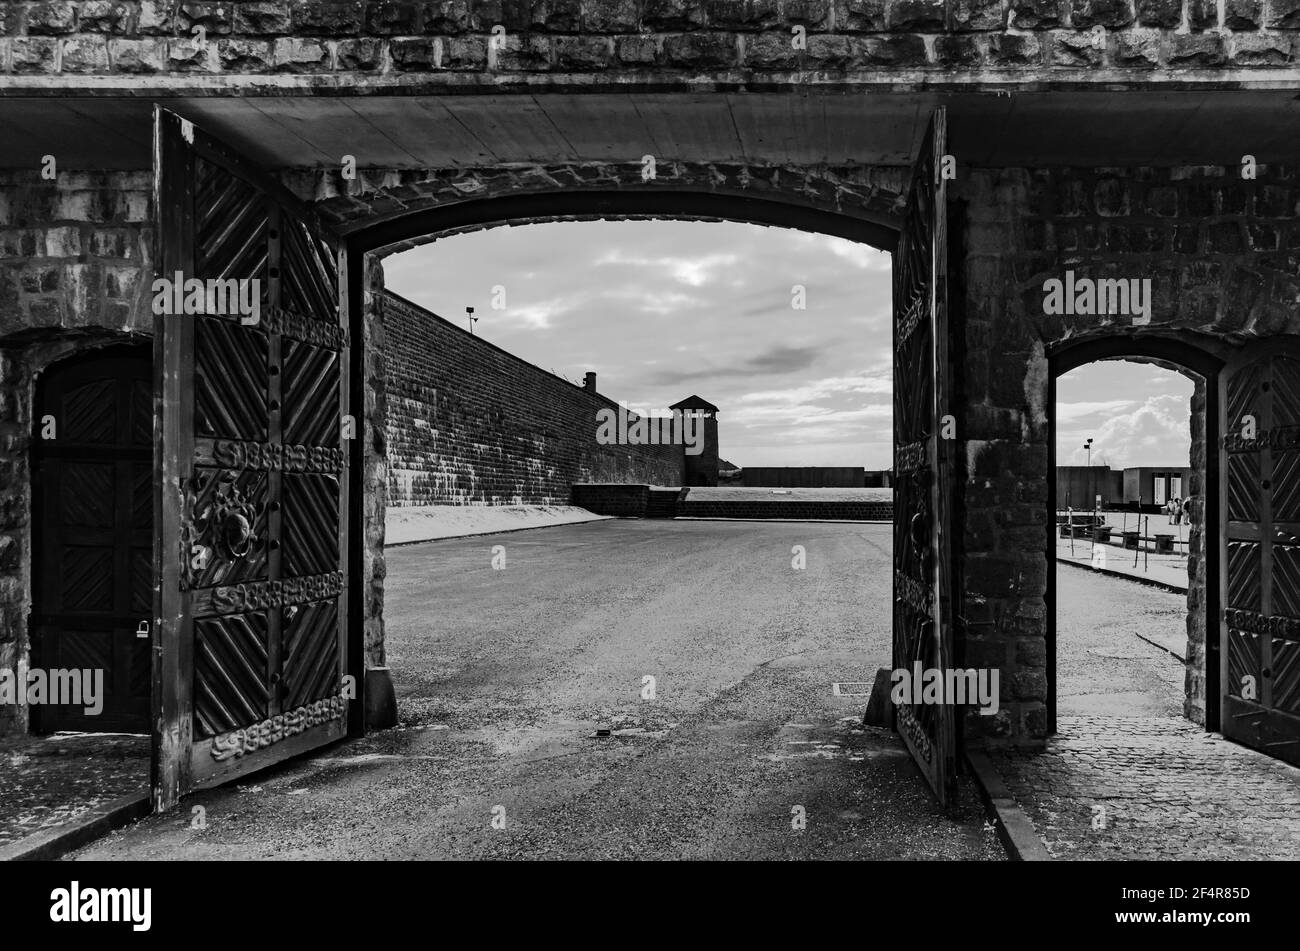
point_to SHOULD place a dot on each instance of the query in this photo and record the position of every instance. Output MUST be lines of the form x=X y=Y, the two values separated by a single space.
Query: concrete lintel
x=876 y=82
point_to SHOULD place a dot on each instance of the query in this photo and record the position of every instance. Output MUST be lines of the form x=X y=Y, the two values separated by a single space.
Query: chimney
x=589 y=382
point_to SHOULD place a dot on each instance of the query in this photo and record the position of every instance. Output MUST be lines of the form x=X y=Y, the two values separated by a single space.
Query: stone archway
x=866 y=198
x=819 y=206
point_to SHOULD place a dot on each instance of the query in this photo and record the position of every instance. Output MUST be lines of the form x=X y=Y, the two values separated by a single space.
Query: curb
x=1119 y=574
x=498 y=531
x=1015 y=830
x=827 y=521
x=52 y=843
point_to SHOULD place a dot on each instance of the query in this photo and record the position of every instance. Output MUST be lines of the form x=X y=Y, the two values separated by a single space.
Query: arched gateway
x=990 y=146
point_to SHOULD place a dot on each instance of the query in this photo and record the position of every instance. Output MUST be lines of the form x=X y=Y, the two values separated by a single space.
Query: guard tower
x=701 y=470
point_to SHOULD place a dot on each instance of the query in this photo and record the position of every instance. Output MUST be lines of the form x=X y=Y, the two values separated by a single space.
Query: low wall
x=853 y=477
x=643 y=501
x=624 y=501
x=788 y=509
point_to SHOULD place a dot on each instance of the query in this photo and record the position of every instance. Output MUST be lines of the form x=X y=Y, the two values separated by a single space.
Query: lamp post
x=1092 y=482
x=469 y=312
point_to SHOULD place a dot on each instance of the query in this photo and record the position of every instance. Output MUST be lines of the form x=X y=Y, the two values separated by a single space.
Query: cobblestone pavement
x=48 y=780
x=1126 y=777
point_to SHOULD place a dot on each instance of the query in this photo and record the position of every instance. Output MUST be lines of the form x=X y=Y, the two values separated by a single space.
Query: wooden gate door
x=252 y=472
x=92 y=496
x=923 y=463
x=1260 y=554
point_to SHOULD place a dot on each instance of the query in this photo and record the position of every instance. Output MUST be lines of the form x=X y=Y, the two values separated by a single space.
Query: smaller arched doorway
x=1201 y=364
x=92 y=535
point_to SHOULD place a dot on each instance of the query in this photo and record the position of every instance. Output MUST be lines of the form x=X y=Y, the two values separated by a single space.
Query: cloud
x=821 y=389
x=776 y=360
x=692 y=271
x=1155 y=434
x=1069 y=412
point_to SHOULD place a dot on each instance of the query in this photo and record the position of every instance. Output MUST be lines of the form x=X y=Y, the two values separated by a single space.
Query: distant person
x=1169 y=510
x=1187 y=510
x=1178 y=510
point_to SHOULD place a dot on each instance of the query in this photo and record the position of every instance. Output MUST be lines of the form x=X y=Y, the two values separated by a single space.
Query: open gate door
x=923 y=463
x=251 y=494
x=1260 y=574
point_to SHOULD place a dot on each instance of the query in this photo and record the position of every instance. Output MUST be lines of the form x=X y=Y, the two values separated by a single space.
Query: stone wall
x=627 y=38
x=375 y=461
x=1223 y=255
x=468 y=422
x=74 y=275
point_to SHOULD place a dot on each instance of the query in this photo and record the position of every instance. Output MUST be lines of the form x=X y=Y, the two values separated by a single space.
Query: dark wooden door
x=252 y=473
x=923 y=462
x=92 y=467
x=1260 y=557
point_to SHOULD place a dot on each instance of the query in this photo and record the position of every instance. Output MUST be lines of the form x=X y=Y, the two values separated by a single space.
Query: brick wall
x=323 y=37
x=468 y=422
x=1223 y=254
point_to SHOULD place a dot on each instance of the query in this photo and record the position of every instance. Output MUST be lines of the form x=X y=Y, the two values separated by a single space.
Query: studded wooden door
x=252 y=468
x=92 y=504
x=1260 y=558
x=923 y=463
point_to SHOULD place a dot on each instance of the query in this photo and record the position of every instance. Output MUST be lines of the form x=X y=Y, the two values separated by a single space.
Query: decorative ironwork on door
x=1260 y=557
x=923 y=464
x=252 y=468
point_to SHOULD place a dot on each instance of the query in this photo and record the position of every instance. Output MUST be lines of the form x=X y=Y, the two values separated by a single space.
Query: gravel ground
x=504 y=676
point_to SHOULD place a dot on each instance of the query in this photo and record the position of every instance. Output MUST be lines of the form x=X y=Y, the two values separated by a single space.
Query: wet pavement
x=1127 y=777
x=741 y=750
x=46 y=781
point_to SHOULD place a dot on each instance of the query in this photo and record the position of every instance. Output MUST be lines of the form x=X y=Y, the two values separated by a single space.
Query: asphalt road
x=504 y=676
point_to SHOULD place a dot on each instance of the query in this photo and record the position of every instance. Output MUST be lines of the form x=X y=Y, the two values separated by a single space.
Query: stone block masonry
x=469 y=423
x=75 y=266
x=321 y=39
x=1222 y=253
x=75 y=253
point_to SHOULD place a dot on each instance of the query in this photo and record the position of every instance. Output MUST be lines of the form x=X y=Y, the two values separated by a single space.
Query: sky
x=662 y=310
x=1136 y=415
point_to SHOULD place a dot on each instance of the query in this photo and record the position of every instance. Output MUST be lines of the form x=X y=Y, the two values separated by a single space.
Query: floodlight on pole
x=469 y=313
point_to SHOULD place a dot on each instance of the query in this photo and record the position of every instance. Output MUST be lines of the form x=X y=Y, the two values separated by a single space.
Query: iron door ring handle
x=237 y=534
